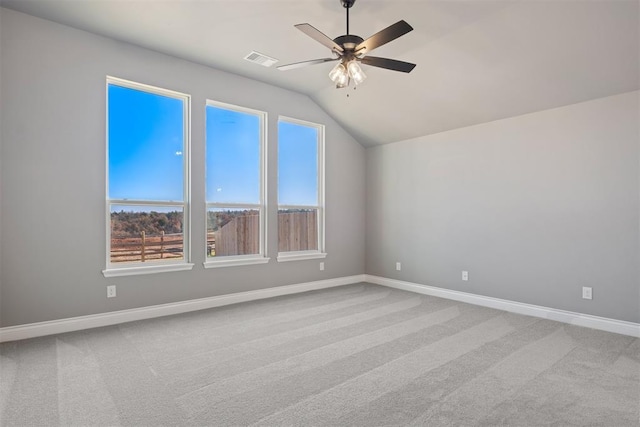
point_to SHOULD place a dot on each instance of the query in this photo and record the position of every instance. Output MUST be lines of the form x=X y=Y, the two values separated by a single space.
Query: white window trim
x=261 y=257
x=300 y=255
x=236 y=261
x=151 y=269
x=321 y=251
x=137 y=268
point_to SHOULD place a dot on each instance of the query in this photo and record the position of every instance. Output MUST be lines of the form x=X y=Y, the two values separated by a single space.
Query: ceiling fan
x=351 y=50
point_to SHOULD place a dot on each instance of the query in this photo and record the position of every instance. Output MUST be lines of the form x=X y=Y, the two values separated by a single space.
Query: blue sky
x=297 y=164
x=233 y=156
x=145 y=146
x=146 y=152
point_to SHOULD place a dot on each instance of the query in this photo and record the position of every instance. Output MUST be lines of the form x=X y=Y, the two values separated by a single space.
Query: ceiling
x=478 y=61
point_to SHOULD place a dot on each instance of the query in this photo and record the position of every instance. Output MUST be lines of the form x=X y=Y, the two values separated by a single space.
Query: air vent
x=259 y=58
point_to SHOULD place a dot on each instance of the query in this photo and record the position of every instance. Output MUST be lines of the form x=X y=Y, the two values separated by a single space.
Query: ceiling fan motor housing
x=348 y=41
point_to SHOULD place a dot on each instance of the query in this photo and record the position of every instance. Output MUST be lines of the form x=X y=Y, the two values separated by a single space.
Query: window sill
x=235 y=262
x=300 y=256
x=151 y=269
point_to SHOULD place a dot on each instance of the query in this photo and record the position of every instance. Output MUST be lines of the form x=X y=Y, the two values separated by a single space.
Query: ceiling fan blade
x=389 y=64
x=319 y=36
x=305 y=63
x=390 y=33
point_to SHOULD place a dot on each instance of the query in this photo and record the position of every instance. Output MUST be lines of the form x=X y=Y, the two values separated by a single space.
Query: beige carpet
x=360 y=355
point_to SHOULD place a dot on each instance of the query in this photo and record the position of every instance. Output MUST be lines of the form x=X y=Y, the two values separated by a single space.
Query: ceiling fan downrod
x=347 y=4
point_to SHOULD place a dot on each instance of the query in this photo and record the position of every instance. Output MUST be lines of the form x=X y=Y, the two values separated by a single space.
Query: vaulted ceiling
x=478 y=61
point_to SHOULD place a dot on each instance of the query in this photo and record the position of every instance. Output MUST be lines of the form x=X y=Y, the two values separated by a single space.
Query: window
x=147 y=179
x=235 y=185
x=300 y=190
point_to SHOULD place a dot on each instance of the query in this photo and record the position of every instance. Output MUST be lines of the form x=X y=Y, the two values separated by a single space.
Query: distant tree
x=132 y=224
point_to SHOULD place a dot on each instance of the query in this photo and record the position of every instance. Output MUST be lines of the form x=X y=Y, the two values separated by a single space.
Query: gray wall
x=1 y=138
x=534 y=207
x=53 y=176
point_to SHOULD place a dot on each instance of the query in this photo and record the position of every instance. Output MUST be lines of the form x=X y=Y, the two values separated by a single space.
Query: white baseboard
x=32 y=330
x=579 y=319
x=20 y=332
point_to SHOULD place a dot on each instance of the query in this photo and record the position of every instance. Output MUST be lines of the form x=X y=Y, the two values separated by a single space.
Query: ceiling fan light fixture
x=355 y=72
x=342 y=83
x=339 y=75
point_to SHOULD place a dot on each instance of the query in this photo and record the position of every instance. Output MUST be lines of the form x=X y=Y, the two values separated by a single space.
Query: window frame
x=321 y=207
x=261 y=257
x=158 y=266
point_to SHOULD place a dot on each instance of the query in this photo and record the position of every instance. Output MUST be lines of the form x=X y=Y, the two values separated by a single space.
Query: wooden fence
x=297 y=231
x=240 y=236
x=146 y=248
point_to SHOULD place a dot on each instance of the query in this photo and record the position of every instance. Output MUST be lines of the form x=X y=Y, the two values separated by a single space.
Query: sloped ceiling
x=478 y=61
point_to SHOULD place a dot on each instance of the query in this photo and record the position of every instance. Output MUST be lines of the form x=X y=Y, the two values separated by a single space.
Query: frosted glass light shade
x=339 y=75
x=355 y=72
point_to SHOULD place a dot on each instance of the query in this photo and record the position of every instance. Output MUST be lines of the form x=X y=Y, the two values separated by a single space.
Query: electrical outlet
x=111 y=291
x=398 y=266
x=587 y=293
x=465 y=275
x=322 y=266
